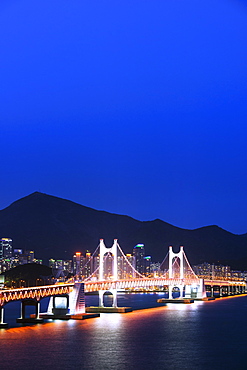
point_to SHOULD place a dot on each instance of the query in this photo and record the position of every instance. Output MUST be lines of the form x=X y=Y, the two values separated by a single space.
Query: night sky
x=133 y=107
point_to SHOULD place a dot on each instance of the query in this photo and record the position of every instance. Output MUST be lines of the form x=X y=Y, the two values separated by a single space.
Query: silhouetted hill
x=29 y=274
x=57 y=228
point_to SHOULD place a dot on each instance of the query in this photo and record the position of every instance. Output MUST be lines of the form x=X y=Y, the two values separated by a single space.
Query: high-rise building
x=30 y=256
x=96 y=266
x=108 y=266
x=147 y=265
x=88 y=265
x=17 y=253
x=5 y=248
x=125 y=266
x=139 y=253
x=78 y=262
x=64 y=265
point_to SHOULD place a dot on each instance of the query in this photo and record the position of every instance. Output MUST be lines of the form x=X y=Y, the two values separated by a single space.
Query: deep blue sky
x=134 y=107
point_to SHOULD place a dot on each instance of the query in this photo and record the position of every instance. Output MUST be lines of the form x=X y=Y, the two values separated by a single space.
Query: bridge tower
x=179 y=255
x=103 y=250
x=195 y=289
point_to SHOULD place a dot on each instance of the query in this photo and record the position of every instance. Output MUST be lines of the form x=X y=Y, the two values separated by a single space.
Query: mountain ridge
x=57 y=228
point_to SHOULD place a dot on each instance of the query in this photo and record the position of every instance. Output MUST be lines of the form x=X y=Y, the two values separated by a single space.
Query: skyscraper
x=5 y=248
x=78 y=261
x=139 y=253
x=147 y=265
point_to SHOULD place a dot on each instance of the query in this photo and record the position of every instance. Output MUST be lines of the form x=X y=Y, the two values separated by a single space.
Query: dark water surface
x=203 y=335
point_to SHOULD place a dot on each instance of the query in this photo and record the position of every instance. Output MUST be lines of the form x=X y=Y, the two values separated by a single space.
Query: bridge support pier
x=196 y=290
x=221 y=291
x=77 y=299
x=187 y=291
x=35 y=318
x=212 y=291
x=101 y=297
x=181 y=291
x=2 y=323
x=61 y=308
x=170 y=288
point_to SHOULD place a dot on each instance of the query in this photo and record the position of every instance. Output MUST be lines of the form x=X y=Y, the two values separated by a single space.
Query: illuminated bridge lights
x=91 y=286
x=224 y=282
x=35 y=293
x=179 y=275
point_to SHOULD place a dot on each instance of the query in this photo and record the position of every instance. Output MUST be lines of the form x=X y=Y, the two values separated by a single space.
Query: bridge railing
x=37 y=292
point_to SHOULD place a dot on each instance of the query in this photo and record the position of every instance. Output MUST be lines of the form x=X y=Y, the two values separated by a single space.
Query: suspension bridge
x=179 y=274
x=67 y=299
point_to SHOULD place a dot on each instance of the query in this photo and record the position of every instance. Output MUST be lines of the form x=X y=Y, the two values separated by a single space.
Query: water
x=203 y=335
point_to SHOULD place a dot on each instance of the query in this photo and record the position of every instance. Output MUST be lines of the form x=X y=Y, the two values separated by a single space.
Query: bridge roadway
x=36 y=293
x=39 y=292
x=216 y=282
x=33 y=295
x=94 y=286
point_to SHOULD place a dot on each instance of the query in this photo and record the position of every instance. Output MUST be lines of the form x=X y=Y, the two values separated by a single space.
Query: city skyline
x=85 y=265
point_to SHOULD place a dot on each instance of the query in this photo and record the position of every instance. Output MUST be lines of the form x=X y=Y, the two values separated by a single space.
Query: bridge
x=68 y=297
x=178 y=274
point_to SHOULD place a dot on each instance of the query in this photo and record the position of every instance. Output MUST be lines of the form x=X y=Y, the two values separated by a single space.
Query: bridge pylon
x=102 y=251
x=188 y=283
x=179 y=255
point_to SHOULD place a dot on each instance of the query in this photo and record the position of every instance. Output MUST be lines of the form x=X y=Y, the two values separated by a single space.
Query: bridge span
x=179 y=275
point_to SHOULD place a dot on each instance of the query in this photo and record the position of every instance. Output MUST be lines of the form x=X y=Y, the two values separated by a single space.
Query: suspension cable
x=94 y=272
x=91 y=257
x=193 y=273
x=164 y=259
x=126 y=259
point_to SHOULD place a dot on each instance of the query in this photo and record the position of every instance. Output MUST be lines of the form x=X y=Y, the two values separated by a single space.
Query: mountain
x=57 y=228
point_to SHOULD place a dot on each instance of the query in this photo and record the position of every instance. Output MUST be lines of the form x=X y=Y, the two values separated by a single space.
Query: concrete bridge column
x=181 y=289
x=101 y=298
x=38 y=310
x=221 y=291
x=35 y=318
x=170 y=288
x=77 y=299
x=201 y=290
x=114 y=293
x=60 y=309
x=212 y=291
x=187 y=291
x=2 y=323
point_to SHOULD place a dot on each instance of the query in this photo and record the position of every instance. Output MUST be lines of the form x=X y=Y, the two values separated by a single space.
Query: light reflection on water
x=201 y=336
